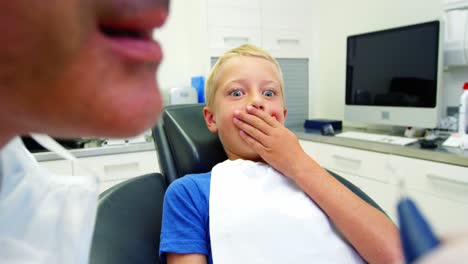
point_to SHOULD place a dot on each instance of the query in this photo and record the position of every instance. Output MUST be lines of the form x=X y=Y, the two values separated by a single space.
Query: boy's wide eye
x=236 y=93
x=268 y=93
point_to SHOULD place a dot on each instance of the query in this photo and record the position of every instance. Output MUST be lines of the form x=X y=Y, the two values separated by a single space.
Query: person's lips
x=131 y=36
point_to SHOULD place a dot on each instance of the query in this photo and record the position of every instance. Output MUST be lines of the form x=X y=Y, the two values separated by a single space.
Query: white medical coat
x=44 y=218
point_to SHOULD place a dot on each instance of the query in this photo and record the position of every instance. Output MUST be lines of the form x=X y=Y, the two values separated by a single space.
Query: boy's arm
x=186 y=258
x=370 y=232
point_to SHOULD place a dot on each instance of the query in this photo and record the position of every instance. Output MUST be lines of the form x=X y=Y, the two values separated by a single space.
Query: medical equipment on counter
x=184 y=95
x=462 y=111
x=456 y=141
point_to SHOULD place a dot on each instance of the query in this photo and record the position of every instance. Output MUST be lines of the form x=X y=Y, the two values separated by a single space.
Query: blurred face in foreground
x=79 y=67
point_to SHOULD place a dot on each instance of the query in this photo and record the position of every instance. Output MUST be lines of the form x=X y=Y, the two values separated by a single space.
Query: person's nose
x=257 y=101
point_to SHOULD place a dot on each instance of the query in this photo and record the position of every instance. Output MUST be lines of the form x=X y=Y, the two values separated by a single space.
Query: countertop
x=98 y=151
x=454 y=156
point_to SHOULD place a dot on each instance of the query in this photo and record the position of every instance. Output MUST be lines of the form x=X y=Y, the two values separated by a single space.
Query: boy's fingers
x=257 y=146
x=254 y=121
x=253 y=132
x=262 y=115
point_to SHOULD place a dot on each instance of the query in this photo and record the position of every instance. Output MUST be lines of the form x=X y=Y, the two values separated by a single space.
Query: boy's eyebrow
x=270 y=82
x=244 y=81
x=241 y=81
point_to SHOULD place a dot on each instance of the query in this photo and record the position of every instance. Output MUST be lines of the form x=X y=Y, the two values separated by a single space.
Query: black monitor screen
x=396 y=67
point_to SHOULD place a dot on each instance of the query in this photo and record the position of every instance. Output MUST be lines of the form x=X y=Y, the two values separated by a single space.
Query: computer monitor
x=393 y=76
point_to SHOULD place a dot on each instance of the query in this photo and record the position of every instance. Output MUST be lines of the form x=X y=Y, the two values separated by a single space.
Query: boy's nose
x=257 y=102
x=258 y=106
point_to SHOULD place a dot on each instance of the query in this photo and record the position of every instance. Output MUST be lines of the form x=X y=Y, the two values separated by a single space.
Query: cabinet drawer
x=310 y=148
x=120 y=166
x=444 y=215
x=438 y=179
x=305 y=6
x=60 y=167
x=354 y=161
x=235 y=4
x=233 y=17
x=286 y=43
x=287 y=18
x=227 y=38
x=384 y=194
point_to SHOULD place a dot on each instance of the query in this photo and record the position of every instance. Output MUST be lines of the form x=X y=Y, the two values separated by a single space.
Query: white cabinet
x=222 y=39
x=456 y=4
x=112 y=169
x=362 y=163
x=282 y=28
x=353 y=161
x=231 y=24
x=287 y=27
x=445 y=216
x=234 y=4
x=442 y=180
x=385 y=195
x=456 y=29
x=440 y=190
x=60 y=167
x=234 y=17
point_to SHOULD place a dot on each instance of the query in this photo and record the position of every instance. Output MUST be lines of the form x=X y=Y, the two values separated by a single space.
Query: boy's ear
x=210 y=119
x=285 y=112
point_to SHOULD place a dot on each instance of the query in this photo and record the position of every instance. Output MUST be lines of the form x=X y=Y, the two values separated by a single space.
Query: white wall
x=184 y=42
x=337 y=20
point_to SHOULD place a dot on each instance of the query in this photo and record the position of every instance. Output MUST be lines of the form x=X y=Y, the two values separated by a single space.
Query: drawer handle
x=338 y=157
x=236 y=40
x=452 y=179
x=123 y=167
x=285 y=41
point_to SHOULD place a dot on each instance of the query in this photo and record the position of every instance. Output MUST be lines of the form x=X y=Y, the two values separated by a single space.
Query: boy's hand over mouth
x=276 y=145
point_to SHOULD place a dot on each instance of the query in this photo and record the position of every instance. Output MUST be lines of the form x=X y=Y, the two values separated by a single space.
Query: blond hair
x=244 y=50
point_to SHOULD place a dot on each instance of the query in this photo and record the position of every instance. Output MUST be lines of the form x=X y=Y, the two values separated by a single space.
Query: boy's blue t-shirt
x=185 y=223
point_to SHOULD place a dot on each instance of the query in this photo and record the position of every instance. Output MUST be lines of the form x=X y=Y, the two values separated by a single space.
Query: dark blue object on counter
x=319 y=123
x=416 y=235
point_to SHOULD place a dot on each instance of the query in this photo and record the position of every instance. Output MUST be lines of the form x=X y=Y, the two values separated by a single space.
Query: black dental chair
x=185 y=145
x=129 y=214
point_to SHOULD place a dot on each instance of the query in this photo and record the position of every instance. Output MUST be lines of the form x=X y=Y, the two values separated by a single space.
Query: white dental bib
x=257 y=215
x=44 y=218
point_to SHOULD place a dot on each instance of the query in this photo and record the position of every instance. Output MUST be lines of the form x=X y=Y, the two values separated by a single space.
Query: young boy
x=269 y=202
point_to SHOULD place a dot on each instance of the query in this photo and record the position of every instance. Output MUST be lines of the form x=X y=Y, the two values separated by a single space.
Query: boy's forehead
x=242 y=68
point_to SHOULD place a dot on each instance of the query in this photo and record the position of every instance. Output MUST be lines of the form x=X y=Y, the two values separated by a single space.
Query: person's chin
x=127 y=113
x=138 y=116
x=250 y=154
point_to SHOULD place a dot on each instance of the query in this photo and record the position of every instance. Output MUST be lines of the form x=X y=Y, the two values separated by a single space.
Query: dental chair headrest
x=193 y=148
